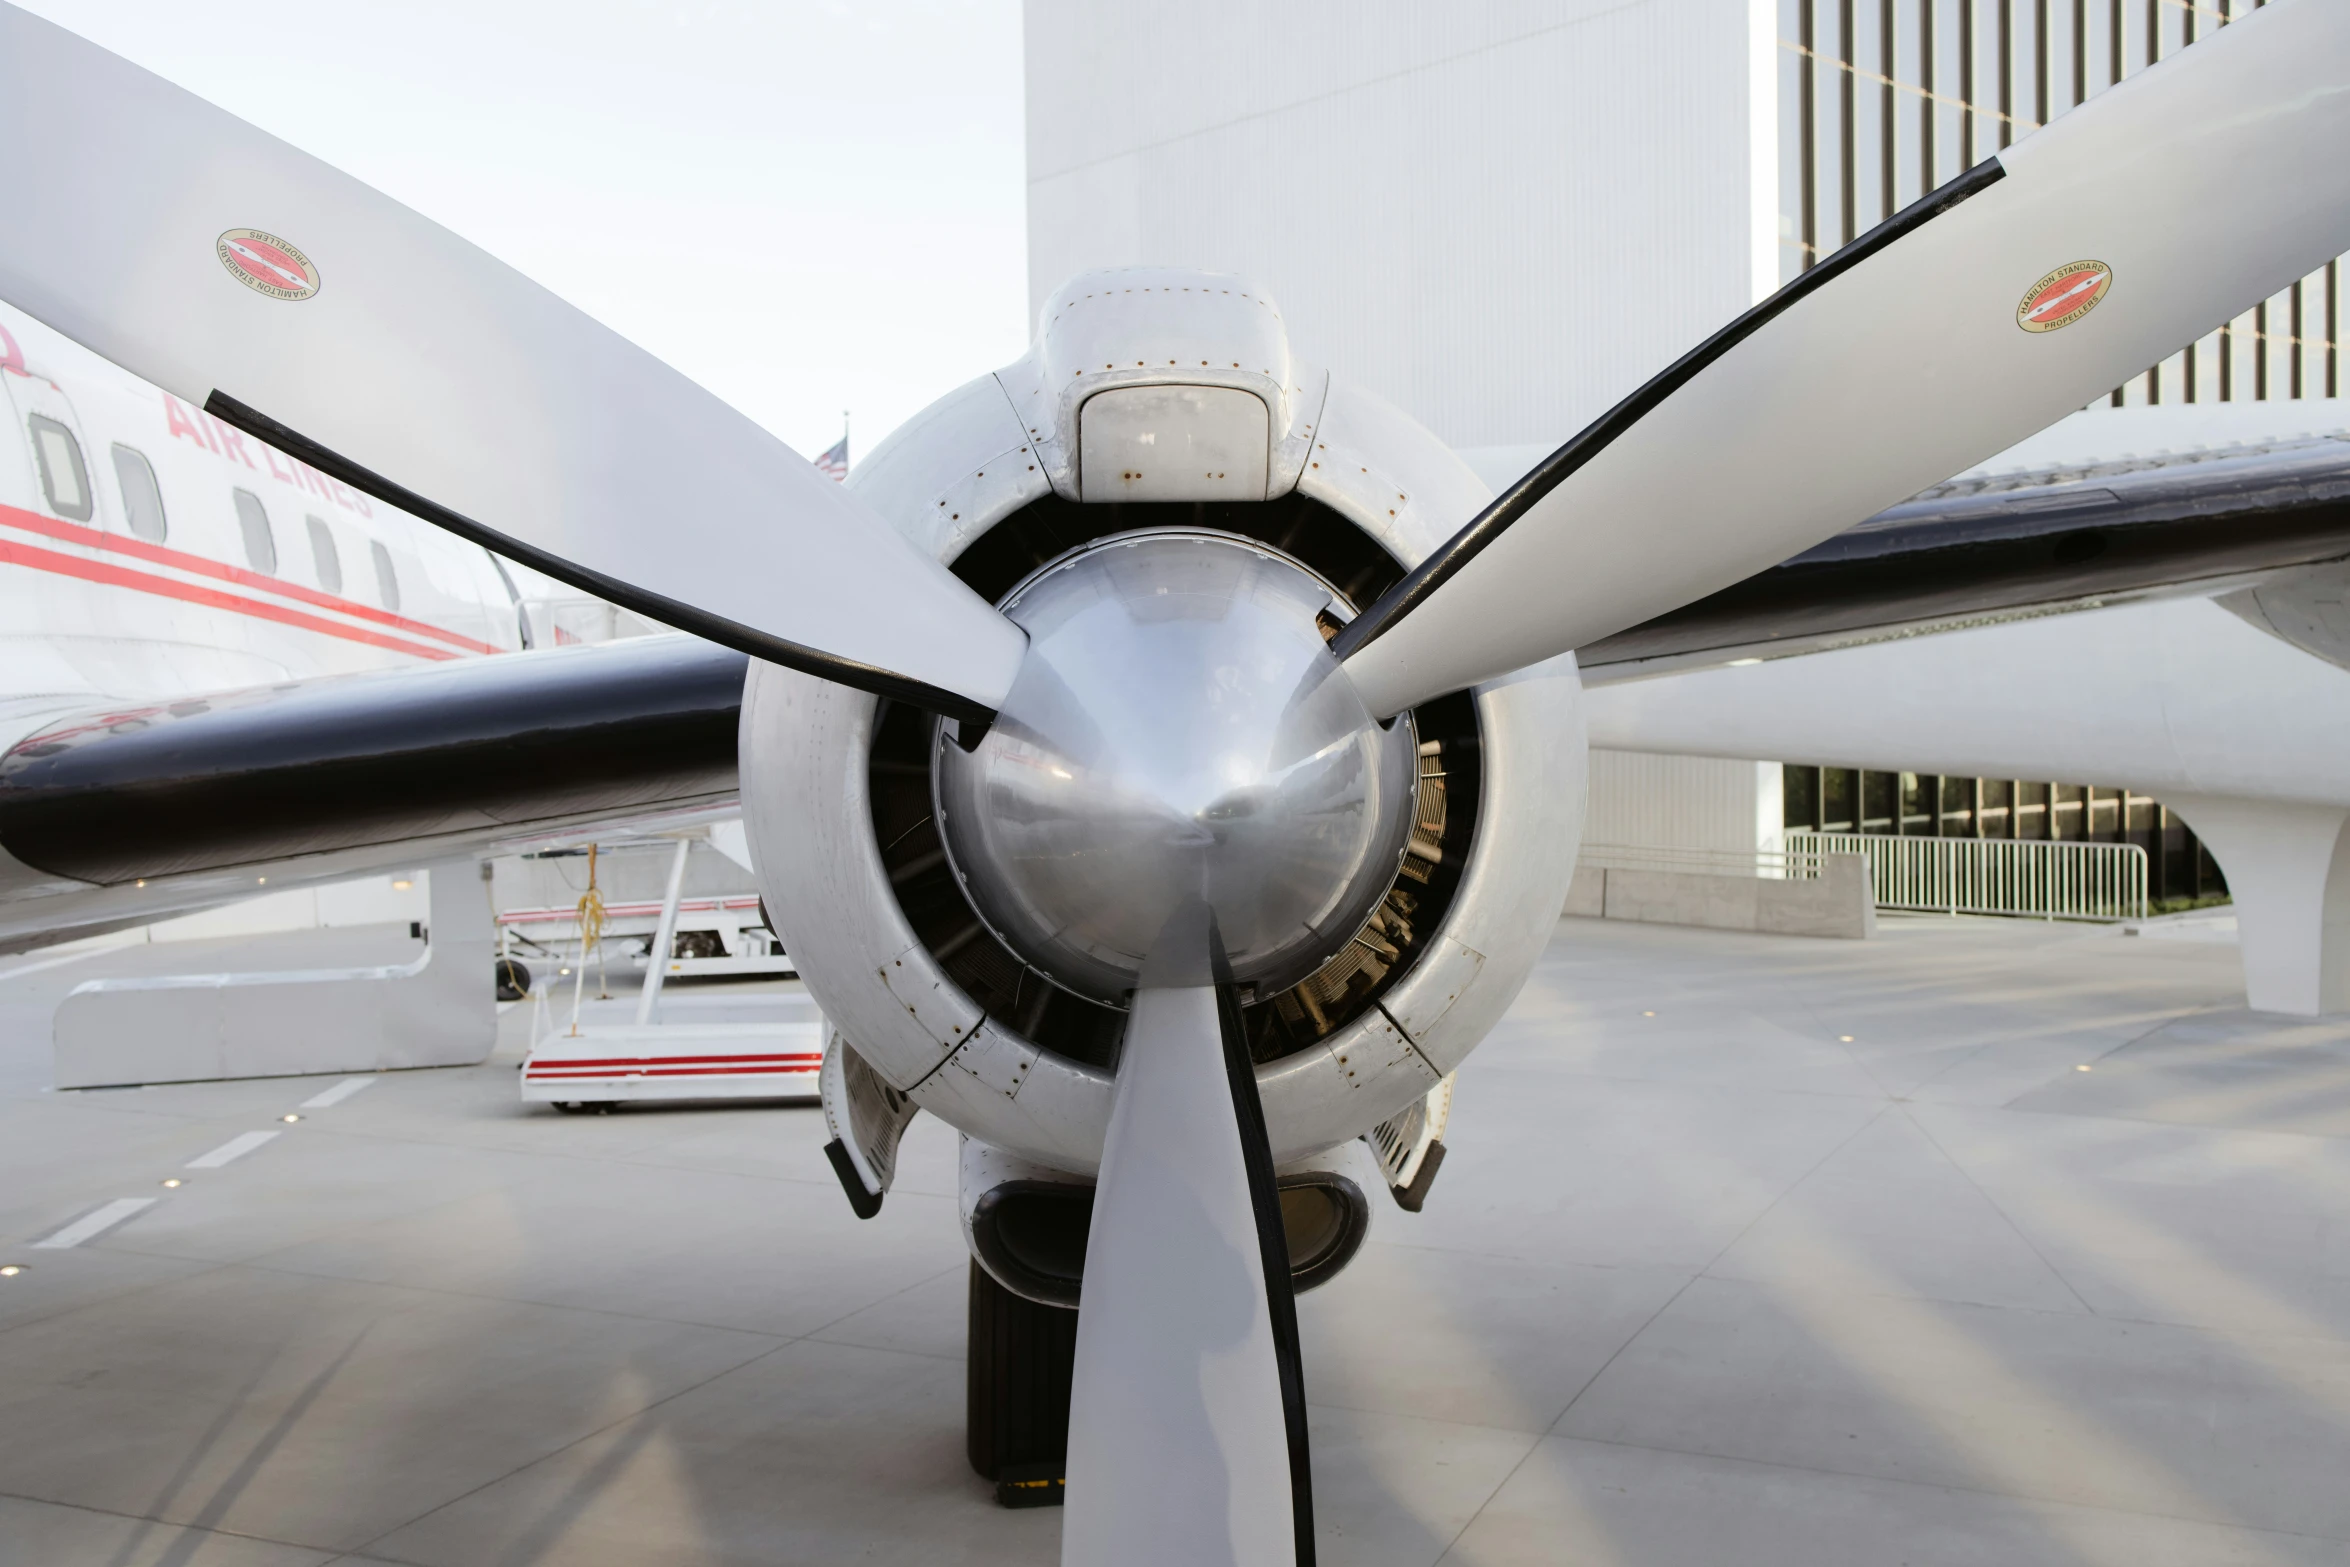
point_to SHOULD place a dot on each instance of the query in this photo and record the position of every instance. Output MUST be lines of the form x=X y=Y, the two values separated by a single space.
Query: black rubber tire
x=1020 y=1356
x=513 y=980
x=568 y=1107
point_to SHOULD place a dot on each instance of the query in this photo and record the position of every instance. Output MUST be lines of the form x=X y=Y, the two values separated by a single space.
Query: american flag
x=836 y=461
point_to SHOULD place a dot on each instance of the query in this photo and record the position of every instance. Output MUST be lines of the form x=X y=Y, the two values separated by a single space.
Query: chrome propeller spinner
x=1178 y=736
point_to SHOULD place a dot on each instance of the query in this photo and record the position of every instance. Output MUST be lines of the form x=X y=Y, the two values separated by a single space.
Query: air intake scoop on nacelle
x=1153 y=383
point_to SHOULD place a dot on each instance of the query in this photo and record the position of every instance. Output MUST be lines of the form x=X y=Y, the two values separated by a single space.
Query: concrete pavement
x=1749 y=1248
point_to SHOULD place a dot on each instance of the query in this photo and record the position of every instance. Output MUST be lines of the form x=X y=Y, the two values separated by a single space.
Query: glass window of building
x=2180 y=871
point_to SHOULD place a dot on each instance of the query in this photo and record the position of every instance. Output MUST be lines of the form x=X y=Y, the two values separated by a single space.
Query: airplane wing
x=2004 y=547
x=122 y=815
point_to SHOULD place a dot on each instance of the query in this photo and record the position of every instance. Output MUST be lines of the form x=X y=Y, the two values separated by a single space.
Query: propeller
x=2028 y=286
x=1188 y=789
x=1182 y=795
x=1187 y=1439
x=319 y=315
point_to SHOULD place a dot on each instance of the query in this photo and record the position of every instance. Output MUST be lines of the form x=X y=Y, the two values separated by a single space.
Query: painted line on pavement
x=23 y=969
x=97 y=1223
x=235 y=1148
x=337 y=1094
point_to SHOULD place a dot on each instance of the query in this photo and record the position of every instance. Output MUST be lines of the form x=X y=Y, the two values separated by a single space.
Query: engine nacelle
x=1156 y=399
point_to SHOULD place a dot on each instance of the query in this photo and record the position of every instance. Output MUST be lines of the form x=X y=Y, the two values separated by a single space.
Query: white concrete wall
x=1501 y=217
x=637 y=874
x=371 y=900
x=1683 y=802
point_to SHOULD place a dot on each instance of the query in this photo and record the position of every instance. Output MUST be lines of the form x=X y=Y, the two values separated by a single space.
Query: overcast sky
x=804 y=206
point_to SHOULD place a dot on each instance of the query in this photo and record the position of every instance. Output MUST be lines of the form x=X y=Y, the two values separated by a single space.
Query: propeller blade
x=2022 y=290
x=1187 y=1442
x=292 y=301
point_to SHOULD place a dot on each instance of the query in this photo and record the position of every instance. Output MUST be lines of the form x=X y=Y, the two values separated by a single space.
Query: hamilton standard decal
x=267 y=265
x=2063 y=296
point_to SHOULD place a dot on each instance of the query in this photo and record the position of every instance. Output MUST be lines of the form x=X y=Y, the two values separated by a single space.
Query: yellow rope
x=591 y=937
x=591 y=912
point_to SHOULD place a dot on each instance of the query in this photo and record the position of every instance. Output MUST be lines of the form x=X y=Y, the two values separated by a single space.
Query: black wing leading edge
x=460 y=751
x=2002 y=547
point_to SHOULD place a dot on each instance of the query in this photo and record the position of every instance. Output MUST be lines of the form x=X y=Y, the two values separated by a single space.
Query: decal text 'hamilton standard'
x=267 y=264
x=2063 y=296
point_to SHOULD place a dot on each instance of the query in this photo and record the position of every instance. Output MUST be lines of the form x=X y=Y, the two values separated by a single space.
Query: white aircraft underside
x=1163 y=759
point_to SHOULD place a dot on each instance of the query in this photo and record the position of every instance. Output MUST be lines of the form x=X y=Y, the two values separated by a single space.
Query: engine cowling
x=1157 y=400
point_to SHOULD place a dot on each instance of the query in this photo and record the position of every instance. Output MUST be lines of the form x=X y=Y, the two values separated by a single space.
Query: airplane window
x=387 y=581
x=142 y=497
x=260 y=543
x=62 y=474
x=323 y=556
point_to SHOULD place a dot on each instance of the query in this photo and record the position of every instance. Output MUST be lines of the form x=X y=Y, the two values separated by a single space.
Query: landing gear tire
x=1017 y=1417
x=513 y=980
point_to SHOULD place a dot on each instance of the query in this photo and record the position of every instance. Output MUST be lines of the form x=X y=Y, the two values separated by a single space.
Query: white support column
x=1770 y=816
x=2288 y=869
x=664 y=937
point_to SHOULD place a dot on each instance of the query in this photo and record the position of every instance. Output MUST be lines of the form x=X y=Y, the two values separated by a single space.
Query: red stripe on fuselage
x=713 y=1063
x=162 y=555
x=122 y=577
x=682 y=1071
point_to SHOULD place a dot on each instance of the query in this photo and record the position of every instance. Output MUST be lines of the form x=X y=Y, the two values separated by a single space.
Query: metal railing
x=2060 y=880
